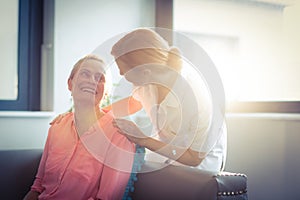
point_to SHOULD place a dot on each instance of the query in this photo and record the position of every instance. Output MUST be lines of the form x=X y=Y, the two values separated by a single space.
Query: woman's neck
x=162 y=92
x=166 y=79
x=85 y=117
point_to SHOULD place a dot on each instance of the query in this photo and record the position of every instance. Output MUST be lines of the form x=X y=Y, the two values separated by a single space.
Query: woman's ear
x=70 y=84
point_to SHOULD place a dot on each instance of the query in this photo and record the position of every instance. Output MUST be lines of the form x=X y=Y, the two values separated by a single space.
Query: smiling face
x=87 y=82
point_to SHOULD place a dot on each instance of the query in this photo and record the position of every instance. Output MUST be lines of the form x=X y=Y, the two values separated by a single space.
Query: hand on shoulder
x=58 y=118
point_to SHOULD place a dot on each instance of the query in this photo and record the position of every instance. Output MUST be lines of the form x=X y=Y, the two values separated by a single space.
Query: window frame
x=30 y=39
x=164 y=19
x=264 y=107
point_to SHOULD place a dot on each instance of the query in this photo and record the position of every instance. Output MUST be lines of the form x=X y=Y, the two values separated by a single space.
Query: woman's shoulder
x=62 y=118
x=116 y=138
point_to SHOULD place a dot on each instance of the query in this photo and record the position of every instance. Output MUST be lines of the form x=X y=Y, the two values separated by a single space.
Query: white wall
x=265 y=147
x=81 y=26
x=24 y=130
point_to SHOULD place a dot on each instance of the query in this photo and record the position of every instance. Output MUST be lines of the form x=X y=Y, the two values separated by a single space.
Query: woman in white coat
x=181 y=114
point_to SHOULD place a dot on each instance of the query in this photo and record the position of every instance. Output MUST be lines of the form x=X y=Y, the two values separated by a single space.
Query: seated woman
x=84 y=156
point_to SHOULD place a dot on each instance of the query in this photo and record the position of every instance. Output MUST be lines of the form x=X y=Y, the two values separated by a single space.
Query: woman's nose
x=93 y=79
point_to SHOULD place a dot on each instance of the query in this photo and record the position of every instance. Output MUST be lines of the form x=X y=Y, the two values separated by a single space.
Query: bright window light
x=255 y=45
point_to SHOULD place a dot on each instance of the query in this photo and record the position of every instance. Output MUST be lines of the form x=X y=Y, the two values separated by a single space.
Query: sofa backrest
x=17 y=171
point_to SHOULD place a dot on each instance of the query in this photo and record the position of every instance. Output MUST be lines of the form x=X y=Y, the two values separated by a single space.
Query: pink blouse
x=95 y=166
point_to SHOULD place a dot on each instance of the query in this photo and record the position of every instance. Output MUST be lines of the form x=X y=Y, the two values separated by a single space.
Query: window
x=22 y=62
x=254 y=45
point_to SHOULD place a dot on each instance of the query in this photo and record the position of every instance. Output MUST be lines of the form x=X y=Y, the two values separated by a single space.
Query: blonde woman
x=180 y=115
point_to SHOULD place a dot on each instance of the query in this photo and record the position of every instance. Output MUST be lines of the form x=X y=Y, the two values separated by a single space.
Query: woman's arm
x=183 y=155
x=124 y=107
x=32 y=195
x=37 y=188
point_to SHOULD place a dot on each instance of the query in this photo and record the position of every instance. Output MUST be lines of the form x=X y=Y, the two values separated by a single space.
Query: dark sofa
x=18 y=168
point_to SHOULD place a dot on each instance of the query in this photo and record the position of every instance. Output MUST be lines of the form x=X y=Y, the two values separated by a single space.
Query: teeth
x=90 y=90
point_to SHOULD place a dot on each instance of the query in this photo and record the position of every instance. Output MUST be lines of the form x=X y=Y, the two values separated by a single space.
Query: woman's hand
x=130 y=130
x=58 y=118
x=185 y=156
x=32 y=195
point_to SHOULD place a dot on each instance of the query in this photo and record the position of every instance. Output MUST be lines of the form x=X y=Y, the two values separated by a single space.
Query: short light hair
x=79 y=63
x=152 y=47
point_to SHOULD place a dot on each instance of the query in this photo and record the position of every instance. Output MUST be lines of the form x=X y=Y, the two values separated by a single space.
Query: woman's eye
x=84 y=74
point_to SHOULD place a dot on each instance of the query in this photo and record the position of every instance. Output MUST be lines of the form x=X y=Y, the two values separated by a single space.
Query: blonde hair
x=80 y=61
x=151 y=45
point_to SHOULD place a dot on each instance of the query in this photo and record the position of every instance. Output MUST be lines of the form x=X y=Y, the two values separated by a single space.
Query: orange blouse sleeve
x=124 y=107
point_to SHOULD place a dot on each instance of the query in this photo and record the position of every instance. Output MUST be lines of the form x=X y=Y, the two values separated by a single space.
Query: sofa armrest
x=161 y=181
x=231 y=186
